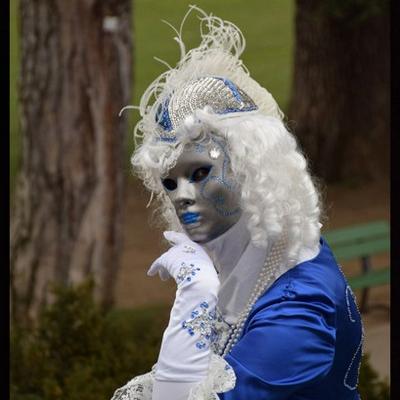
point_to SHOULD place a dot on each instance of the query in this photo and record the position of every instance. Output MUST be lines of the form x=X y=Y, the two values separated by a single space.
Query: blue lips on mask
x=190 y=217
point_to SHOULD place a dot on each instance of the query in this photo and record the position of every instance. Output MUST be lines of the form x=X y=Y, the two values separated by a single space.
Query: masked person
x=262 y=310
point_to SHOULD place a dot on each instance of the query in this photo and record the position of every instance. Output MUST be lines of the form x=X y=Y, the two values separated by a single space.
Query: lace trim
x=138 y=388
x=220 y=379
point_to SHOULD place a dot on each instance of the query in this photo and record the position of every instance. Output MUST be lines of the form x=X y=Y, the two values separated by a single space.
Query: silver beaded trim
x=207 y=91
x=351 y=364
x=360 y=346
x=348 y=290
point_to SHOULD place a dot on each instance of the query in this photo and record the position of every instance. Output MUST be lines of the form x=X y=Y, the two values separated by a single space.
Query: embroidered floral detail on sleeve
x=189 y=249
x=201 y=322
x=186 y=272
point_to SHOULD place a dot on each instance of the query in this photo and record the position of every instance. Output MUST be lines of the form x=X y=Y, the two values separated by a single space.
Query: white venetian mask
x=203 y=190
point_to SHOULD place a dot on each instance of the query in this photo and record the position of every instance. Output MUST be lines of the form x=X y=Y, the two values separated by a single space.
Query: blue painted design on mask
x=219 y=201
x=199 y=148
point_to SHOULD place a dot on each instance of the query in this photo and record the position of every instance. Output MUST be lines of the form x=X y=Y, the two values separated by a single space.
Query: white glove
x=183 y=260
x=185 y=349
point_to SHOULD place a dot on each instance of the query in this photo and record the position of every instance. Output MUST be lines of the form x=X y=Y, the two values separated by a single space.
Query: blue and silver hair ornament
x=211 y=76
x=220 y=94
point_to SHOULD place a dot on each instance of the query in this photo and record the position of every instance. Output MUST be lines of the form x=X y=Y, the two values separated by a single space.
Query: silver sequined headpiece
x=221 y=94
x=210 y=76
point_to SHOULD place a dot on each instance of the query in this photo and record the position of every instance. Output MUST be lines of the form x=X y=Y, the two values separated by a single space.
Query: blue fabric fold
x=302 y=338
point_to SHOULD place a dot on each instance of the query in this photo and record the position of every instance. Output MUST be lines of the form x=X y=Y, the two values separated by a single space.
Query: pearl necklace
x=267 y=274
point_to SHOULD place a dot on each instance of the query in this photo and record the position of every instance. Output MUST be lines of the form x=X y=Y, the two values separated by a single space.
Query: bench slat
x=358 y=233
x=373 y=278
x=362 y=241
x=357 y=250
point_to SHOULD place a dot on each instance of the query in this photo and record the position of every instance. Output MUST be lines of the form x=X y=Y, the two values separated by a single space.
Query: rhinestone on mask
x=214 y=153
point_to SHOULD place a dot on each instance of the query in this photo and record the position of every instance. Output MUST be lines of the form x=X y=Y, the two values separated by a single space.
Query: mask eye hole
x=200 y=174
x=169 y=184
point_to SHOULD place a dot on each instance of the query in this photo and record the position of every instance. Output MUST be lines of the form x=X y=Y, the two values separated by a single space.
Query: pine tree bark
x=340 y=106
x=75 y=78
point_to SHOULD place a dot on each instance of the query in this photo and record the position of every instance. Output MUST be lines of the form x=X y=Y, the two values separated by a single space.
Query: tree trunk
x=75 y=78
x=340 y=106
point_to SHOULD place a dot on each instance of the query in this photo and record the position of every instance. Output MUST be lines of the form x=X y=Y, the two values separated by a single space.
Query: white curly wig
x=277 y=191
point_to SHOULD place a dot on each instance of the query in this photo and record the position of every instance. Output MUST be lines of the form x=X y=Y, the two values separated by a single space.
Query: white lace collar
x=239 y=263
x=226 y=249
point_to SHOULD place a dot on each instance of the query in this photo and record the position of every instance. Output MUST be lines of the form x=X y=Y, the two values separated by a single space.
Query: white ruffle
x=138 y=388
x=220 y=378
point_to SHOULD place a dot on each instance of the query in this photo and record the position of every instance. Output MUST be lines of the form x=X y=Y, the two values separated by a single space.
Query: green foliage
x=267 y=25
x=78 y=352
x=370 y=386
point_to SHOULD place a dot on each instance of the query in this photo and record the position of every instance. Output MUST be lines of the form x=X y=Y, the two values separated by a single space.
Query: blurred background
x=84 y=313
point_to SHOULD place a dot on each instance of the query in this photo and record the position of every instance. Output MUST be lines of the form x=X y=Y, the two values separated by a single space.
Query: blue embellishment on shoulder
x=353 y=371
x=349 y=312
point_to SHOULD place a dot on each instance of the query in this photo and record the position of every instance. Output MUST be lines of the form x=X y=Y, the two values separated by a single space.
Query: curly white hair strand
x=278 y=193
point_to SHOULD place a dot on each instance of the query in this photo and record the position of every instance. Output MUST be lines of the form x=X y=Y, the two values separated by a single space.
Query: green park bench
x=362 y=242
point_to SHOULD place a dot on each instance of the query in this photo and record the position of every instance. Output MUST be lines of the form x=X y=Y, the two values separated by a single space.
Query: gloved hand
x=185 y=349
x=183 y=260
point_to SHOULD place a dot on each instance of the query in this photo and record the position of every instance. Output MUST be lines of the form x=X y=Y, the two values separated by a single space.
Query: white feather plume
x=222 y=43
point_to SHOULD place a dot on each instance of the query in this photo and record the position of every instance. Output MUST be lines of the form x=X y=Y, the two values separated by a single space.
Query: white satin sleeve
x=185 y=349
x=171 y=390
x=185 y=352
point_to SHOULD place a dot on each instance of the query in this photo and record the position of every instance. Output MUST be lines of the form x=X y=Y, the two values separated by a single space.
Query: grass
x=267 y=26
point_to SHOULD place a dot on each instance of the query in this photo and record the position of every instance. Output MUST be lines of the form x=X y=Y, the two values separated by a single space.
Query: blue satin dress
x=302 y=339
